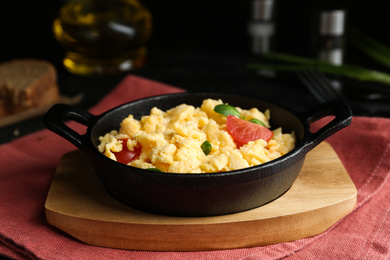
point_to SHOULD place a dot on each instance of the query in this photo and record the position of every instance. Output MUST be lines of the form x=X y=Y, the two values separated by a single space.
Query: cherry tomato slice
x=125 y=156
x=244 y=131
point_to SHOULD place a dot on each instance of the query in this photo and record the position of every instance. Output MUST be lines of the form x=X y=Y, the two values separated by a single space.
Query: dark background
x=196 y=45
x=25 y=26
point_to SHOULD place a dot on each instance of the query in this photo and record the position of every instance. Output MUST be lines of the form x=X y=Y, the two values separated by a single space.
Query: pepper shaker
x=330 y=40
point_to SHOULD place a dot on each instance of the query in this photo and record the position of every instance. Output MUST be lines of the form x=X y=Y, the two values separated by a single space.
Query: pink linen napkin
x=28 y=164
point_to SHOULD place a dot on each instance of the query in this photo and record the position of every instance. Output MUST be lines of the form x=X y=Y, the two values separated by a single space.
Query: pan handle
x=55 y=118
x=342 y=118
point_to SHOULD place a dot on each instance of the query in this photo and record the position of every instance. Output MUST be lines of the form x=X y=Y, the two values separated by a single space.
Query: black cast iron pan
x=197 y=194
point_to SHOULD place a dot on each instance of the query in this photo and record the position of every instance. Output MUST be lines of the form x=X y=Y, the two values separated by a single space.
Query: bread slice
x=3 y=108
x=49 y=97
x=23 y=83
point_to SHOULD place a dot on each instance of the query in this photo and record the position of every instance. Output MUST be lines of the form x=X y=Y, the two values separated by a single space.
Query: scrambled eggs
x=171 y=141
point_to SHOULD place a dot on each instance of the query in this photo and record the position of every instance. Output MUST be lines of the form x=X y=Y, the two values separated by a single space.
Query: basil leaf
x=206 y=147
x=227 y=110
x=257 y=121
x=154 y=169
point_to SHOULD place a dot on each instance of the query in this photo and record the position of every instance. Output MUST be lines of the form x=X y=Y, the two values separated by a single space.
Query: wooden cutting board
x=78 y=205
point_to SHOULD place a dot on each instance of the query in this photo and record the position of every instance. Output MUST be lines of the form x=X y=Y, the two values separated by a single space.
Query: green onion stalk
x=294 y=63
x=374 y=49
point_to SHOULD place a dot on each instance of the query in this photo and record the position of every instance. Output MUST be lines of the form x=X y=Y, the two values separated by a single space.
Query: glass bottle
x=103 y=37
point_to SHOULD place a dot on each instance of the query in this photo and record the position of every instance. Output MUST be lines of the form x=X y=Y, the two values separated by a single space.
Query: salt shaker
x=261 y=27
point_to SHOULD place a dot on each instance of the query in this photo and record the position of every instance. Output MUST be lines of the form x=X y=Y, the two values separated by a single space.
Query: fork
x=323 y=89
x=320 y=86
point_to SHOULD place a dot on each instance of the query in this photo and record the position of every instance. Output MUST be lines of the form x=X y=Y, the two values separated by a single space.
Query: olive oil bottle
x=103 y=37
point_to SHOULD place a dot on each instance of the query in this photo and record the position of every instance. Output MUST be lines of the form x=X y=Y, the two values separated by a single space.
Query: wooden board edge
x=198 y=237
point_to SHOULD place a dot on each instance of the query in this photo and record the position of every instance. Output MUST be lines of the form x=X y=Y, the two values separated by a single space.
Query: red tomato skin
x=244 y=131
x=126 y=156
